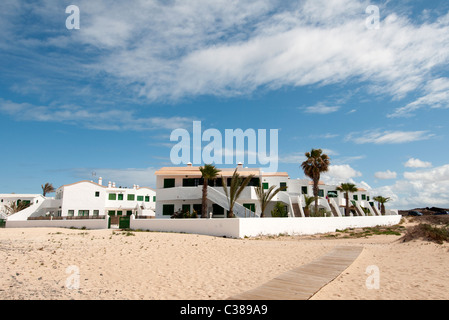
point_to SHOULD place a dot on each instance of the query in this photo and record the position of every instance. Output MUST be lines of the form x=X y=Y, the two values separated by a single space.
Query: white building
x=90 y=199
x=7 y=199
x=180 y=188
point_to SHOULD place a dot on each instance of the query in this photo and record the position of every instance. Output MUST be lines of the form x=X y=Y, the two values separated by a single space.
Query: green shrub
x=279 y=211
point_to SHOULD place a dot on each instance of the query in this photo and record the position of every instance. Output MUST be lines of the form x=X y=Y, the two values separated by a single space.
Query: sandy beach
x=40 y=264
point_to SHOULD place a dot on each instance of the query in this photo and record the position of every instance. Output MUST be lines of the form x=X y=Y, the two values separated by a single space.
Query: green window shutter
x=139 y=198
x=356 y=197
x=71 y=213
x=119 y=213
x=265 y=185
x=169 y=183
x=83 y=213
x=128 y=213
x=168 y=209
x=112 y=196
x=154 y=198
x=131 y=197
x=96 y=212
x=304 y=190
x=120 y=196
x=250 y=206
x=97 y=194
x=320 y=193
x=363 y=196
x=111 y=213
x=283 y=185
x=147 y=198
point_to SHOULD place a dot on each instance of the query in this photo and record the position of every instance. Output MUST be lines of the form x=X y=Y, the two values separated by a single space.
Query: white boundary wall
x=210 y=227
x=91 y=224
x=240 y=228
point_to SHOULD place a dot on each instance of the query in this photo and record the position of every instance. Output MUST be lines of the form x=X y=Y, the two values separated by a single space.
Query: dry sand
x=160 y=266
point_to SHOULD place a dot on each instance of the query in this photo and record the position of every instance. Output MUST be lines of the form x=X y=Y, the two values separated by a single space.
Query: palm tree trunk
x=315 y=194
x=204 y=201
x=347 y=204
x=382 y=209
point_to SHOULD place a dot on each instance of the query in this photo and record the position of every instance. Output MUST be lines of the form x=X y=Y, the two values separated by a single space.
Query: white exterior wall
x=240 y=228
x=81 y=196
x=126 y=204
x=92 y=224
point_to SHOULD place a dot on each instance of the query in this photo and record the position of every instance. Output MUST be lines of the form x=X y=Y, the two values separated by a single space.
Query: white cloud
x=433 y=175
x=226 y=48
x=436 y=96
x=338 y=174
x=416 y=163
x=388 y=137
x=97 y=119
x=425 y=188
x=386 y=175
x=321 y=109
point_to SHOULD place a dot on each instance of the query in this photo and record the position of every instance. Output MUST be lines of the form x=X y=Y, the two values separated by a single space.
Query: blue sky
x=106 y=97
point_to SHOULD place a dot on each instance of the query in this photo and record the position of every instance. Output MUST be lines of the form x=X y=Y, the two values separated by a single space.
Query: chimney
x=109 y=184
x=113 y=184
x=100 y=181
x=240 y=165
x=189 y=164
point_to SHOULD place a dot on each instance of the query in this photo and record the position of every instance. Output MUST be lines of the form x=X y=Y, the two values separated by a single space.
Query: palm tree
x=347 y=188
x=265 y=197
x=308 y=202
x=209 y=172
x=382 y=200
x=14 y=207
x=316 y=163
x=238 y=184
x=47 y=188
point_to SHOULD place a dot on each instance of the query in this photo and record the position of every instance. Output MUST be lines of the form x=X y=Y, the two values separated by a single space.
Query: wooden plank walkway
x=302 y=283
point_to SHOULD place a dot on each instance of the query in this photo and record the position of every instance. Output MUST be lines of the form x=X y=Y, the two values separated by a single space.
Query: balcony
x=195 y=193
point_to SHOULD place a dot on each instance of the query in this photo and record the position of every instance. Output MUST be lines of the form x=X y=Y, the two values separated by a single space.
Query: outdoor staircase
x=31 y=211
x=296 y=210
x=220 y=199
x=334 y=208
x=358 y=209
x=376 y=211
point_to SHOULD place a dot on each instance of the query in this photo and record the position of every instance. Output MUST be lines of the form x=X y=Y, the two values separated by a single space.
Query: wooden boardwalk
x=302 y=283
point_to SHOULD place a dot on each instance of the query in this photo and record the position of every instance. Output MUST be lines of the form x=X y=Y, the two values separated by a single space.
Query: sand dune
x=161 y=266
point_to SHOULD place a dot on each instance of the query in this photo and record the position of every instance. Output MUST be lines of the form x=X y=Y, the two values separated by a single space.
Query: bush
x=428 y=232
x=279 y=211
x=184 y=215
